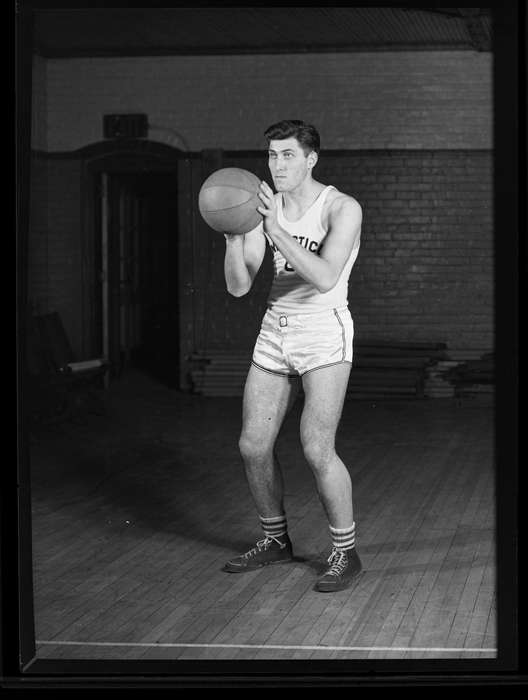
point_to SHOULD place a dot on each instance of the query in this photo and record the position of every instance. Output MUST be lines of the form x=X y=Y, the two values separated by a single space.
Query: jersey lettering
x=290 y=293
x=312 y=246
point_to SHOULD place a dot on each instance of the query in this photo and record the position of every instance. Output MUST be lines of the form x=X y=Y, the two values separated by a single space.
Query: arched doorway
x=131 y=246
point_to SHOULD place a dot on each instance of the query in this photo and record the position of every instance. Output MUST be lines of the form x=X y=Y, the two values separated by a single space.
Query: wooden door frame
x=133 y=156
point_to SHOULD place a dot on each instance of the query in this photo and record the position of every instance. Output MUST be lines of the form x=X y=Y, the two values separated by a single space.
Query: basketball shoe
x=270 y=550
x=345 y=567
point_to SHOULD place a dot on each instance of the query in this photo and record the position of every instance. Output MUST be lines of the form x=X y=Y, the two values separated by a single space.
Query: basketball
x=228 y=200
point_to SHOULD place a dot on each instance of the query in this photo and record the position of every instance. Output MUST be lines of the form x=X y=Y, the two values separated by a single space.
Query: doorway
x=137 y=309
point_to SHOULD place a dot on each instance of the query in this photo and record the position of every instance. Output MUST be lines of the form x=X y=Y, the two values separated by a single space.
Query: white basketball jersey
x=290 y=293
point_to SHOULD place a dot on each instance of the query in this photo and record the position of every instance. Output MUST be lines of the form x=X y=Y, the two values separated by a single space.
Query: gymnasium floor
x=134 y=514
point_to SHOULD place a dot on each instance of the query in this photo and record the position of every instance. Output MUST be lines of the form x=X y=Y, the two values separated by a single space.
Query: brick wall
x=424 y=273
x=420 y=126
x=383 y=100
x=425 y=269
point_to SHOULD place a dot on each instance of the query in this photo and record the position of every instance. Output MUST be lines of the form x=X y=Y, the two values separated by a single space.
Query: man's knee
x=252 y=448
x=318 y=452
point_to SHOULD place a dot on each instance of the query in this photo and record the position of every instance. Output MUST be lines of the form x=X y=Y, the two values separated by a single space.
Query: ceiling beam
x=475 y=26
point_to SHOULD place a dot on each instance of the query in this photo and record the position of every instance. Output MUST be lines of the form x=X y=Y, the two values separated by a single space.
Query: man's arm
x=243 y=258
x=344 y=230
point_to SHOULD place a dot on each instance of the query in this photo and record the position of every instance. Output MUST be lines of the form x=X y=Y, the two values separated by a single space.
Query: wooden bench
x=381 y=369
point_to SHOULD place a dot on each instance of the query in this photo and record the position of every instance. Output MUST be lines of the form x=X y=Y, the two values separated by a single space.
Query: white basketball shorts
x=292 y=345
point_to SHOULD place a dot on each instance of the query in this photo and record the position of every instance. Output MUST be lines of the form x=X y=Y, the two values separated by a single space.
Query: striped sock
x=343 y=539
x=274 y=527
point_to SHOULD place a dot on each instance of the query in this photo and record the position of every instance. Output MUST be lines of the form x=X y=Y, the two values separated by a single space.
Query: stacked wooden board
x=382 y=369
x=391 y=369
x=466 y=372
x=219 y=372
x=473 y=377
x=437 y=384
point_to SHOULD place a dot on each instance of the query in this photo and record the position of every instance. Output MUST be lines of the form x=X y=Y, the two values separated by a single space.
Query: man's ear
x=312 y=159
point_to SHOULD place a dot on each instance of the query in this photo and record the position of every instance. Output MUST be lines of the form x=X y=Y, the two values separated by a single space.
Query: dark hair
x=306 y=134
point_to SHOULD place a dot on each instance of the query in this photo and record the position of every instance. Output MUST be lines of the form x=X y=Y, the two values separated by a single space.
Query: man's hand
x=234 y=238
x=243 y=258
x=268 y=208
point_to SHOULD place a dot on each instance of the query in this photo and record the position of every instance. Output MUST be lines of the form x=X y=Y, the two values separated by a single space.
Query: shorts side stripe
x=342 y=333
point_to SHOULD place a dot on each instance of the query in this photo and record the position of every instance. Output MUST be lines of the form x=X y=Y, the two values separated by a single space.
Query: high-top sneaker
x=270 y=550
x=345 y=567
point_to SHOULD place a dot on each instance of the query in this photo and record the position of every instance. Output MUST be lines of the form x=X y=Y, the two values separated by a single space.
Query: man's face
x=288 y=164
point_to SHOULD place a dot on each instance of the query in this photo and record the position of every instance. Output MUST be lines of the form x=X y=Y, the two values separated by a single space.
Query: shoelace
x=263 y=544
x=338 y=562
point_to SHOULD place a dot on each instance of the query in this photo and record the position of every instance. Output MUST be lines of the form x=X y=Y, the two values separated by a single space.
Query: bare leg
x=325 y=391
x=267 y=399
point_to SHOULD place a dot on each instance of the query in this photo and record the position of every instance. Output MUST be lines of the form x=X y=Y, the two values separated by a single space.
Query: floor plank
x=135 y=514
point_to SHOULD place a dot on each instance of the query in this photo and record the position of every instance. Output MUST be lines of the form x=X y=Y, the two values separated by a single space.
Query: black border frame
x=20 y=668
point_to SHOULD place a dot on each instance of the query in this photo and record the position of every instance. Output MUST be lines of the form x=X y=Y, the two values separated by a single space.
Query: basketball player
x=314 y=233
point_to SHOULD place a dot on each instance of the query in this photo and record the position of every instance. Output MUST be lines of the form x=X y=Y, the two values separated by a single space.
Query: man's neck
x=303 y=195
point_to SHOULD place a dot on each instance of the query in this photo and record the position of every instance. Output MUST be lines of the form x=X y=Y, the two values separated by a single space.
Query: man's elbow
x=238 y=291
x=326 y=285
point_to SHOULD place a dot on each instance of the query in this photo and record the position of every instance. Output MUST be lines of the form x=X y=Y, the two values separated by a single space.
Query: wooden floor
x=135 y=513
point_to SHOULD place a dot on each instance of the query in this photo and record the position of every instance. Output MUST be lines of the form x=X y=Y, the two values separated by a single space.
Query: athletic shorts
x=292 y=345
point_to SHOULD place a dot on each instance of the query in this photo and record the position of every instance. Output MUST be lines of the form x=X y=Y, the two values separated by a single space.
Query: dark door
x=140 y=284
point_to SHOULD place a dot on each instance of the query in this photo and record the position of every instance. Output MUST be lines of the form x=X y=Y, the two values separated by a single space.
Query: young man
x=314 y=233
